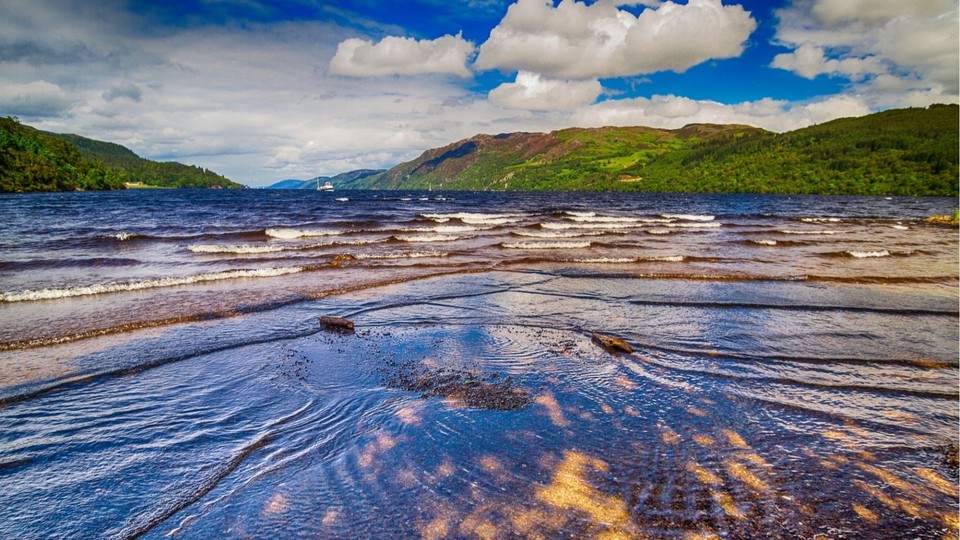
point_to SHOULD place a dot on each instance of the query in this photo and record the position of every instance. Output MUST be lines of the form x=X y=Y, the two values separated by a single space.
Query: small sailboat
x=327 y=186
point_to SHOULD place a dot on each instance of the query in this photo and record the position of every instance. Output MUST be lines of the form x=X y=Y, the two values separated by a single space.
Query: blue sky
x=266 y=90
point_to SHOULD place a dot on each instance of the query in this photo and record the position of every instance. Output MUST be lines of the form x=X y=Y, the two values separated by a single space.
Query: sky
x=261 y=91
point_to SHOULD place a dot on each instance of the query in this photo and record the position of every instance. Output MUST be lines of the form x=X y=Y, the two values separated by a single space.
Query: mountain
x=291 y=184
x=34 y=160
x=896 y=152
x=341 y=181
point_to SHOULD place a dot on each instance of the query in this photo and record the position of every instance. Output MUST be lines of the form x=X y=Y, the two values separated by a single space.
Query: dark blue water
x=164 y=372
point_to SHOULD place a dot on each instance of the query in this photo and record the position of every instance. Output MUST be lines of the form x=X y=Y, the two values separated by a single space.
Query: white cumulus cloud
x=673 y=112
x=574 y=40
x=531 y=91
x=895 y=50
x=394 y=55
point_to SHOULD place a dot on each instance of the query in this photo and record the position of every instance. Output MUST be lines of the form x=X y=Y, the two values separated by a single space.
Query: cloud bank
x=578 y=41
x=897 y=52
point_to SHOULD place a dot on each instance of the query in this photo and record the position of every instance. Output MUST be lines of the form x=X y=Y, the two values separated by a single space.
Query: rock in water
x=612 y=344
x=337 y=324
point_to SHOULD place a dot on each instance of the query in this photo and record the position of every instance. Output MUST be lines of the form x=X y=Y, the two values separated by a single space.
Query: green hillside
x=897 y=152
x=31 y=160
x=34 y=160
x=170 y=174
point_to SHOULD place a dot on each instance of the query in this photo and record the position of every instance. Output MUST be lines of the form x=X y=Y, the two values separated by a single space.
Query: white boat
x=327 y=186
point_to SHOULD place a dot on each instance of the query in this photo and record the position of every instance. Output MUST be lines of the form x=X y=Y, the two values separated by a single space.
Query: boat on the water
x=327 y=186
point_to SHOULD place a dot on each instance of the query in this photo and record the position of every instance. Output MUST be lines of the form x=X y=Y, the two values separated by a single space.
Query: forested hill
x=33 y=160
x=897 y=152
x=152 y=173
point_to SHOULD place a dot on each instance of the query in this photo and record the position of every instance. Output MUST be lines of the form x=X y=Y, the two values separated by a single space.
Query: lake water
x=163 y=371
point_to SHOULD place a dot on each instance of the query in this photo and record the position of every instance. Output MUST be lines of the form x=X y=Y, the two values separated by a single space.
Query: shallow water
x=759 y=402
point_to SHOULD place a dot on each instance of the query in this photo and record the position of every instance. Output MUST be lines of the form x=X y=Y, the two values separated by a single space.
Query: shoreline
x=688 y=434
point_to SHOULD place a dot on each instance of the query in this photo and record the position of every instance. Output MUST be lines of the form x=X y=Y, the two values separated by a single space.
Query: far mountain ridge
x=338 y=180
x=910 y=152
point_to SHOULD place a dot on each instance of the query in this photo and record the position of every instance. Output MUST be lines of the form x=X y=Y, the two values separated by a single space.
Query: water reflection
x=685 y=438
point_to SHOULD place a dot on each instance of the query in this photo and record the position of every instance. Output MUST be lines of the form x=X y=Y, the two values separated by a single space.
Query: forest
x=34 y=160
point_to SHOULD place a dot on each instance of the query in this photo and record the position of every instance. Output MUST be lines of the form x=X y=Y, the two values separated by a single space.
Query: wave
x=763 y=242
x=563 y=234
x=87 y=290
x=402 y=255
x=579 y=214
x=342 y=199
x=689 y=217
x=626 y=260
x=605 y=260
x=447 y=229
x=611 y=219
x=546 y=245
x=252 y=249
x=68 y=263
x=427 y=238
x=473 y=218
x=820 y=220
x=564 y=226
x=868 y=254
x=291 y=234
x=659 y=231
x=121 y=236
x=701 y=225
x=789 y=231
x=900 y=227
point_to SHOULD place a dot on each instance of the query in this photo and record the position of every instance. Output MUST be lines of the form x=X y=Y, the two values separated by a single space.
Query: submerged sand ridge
x=779 y=415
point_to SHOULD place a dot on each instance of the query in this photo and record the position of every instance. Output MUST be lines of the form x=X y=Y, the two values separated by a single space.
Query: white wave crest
x=51 y=294
x=665 y=258
x=604 y=260
x=808 y=232
x=446 y=229
x=342 y=199
x=546 y=245
x=868 y=254
x=472 y=218
x=291 y=234
x=820 y=219
x=764 y=242
x=253 y=249
x=238 y=249
x=564 y=226
x=121 y=236
x=702 y=225
x=659 y=231
x=402 y=255
x=564 y=234
x=428 y=238
x=689 y=217
x=900 y=227
x=580 y=214
x=604 y=219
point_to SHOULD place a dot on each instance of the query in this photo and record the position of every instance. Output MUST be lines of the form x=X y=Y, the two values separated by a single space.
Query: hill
x=34 y=160
x=896 y=152
x=340 y=181
x=31 y=160
x=170 y=174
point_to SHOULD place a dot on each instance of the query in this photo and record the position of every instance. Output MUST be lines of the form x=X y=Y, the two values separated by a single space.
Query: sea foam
x=291 y=234
x=87 y=290
x=689 y=217
x=546 y=245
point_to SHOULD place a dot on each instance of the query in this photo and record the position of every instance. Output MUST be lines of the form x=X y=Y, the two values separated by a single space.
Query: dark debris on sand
x=469 y=387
